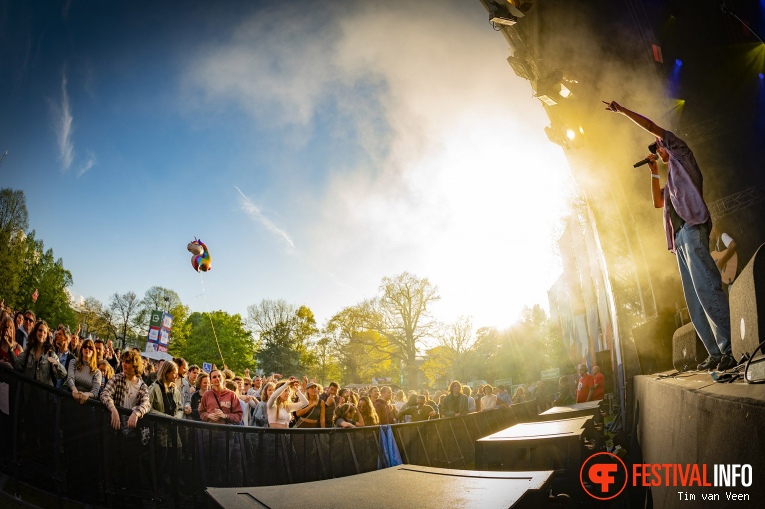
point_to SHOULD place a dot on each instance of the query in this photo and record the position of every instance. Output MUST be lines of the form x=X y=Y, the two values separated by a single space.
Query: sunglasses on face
x=27 y=319
x=86 y=348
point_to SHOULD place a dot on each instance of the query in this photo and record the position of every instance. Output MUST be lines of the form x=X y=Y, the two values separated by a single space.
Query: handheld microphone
x=641 y=163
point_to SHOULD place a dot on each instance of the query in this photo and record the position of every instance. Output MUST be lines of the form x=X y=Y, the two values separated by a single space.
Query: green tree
x=47 y=275
x=125 y=308
x=362 y=353
x=284 y=337
x=439 y=366
x=14 y=220
x=327 y=367
x=401 y=315
x=156 y=297
x=95 y=319
x=458 y=337
x=236 y=344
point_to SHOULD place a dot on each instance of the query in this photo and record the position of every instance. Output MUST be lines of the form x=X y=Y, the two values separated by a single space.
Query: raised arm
x=656 y=193
x=645 y=123
x=300 y=404
x=275 y=395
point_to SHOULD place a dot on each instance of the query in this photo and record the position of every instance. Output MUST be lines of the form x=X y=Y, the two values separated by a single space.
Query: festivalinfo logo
x=604 y=476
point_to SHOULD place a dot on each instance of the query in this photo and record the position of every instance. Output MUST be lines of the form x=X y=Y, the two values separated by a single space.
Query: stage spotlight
x=553 y=87
x=566 y=136
x=502 y=13
x=554 y=135
x=678 y=62
x=761 y=76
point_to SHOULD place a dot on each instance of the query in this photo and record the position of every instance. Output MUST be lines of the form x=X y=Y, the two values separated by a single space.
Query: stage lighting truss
x=554 y=87
x=567 y=136
x=507 y=12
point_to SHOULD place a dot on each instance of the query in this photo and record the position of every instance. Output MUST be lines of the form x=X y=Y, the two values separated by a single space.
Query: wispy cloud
x=89 y=163
x=255 y=213
x=63 y=124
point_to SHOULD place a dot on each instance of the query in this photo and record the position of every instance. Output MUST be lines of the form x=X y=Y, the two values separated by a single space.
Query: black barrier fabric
x=59 y=446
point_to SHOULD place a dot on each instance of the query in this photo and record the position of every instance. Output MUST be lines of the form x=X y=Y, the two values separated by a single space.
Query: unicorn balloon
x=200 y=256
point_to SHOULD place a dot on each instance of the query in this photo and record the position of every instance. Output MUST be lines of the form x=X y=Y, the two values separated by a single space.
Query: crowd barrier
x=70 y=450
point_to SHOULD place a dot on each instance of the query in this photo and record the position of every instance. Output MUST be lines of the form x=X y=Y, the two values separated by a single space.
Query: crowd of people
x=90 y=369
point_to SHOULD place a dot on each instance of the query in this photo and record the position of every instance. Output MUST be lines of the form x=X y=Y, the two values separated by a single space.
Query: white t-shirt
x=131 y=397
x=489 y=402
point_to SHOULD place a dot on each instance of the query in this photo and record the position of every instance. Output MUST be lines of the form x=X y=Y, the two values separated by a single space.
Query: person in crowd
x=467 y=391
x=411 y=402
x=429 y=401
x=420 y=412
x=192 y=375
x=347 y=416
x=280 y=406
x=257 y=384
x=202 y=384
x=127 y=390
x=107 y=372
x=260 y=416
x=598 y=384
x=367 y=411
x=233 y=386
x=100 y=349
x=520 y=395
x=386 y=412
x=331 y=398
x=38 y=360
x=84 y=377
x=219 y=404
x=164 y=396
x=75 y=341
x=18 y=320
x=166 y=399
x=489 y=399
x=8 y=340
x=503 y=397
x=23 y=331
x=79 y=425
x=112 y=356
x=313 y=414
x=584 y=386
x=399 y=400
x=565 y=394
x=455 y=403
x=478 y=396
x=148 y=371
x=65 y=355
x=183 y=384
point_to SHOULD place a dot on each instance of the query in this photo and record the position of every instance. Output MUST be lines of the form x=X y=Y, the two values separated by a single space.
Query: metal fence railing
x=70 y=450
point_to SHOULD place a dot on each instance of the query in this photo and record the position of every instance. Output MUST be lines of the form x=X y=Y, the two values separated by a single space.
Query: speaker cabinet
x=747 y=306
x=687 y=349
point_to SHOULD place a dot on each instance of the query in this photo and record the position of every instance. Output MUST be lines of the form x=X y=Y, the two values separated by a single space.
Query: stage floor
x=689 y=420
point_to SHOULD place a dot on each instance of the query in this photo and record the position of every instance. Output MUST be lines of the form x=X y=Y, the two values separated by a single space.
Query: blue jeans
x=702 y=286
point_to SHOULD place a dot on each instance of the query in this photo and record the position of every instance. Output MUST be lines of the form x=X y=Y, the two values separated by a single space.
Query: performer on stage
x=687 y=224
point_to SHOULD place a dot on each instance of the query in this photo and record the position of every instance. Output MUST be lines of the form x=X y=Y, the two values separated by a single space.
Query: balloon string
x=207 y=305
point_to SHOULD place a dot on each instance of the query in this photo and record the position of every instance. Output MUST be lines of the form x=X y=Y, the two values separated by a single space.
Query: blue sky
x=315 y=147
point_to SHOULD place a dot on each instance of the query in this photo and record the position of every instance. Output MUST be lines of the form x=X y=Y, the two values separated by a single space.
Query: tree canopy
x=235 y=341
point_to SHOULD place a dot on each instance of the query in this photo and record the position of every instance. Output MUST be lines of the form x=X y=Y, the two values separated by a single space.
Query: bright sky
x=315 y=147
